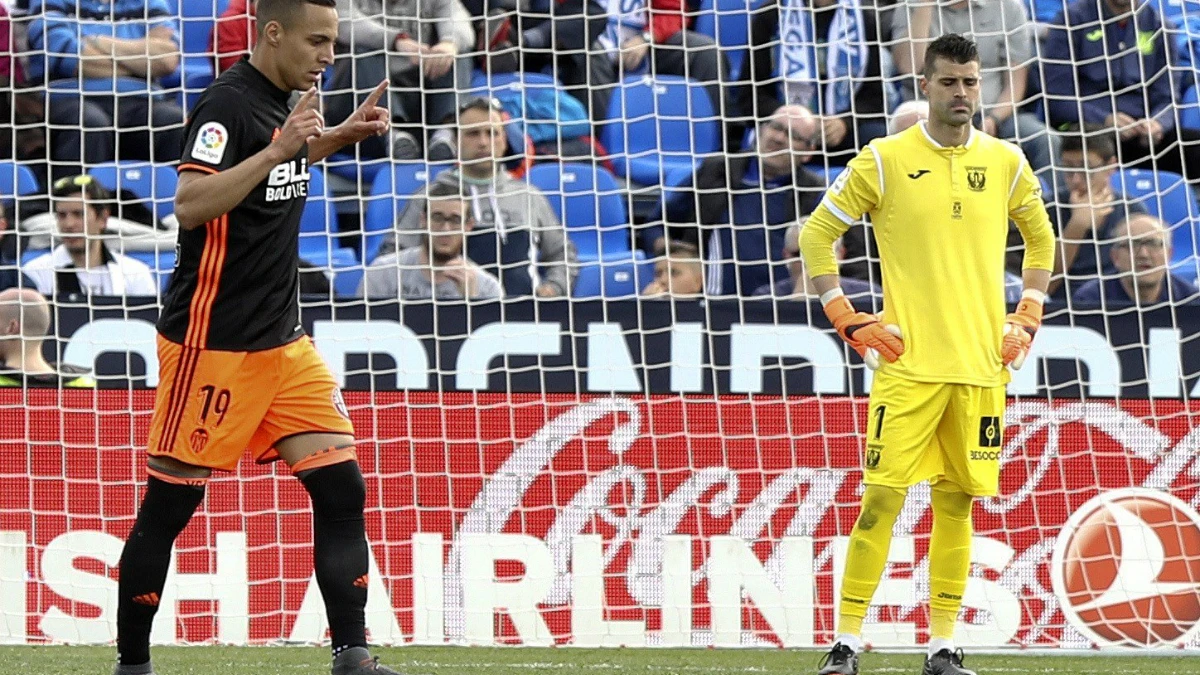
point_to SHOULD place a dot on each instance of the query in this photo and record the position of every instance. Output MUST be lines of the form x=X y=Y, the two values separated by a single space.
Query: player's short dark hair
x=952 y=47
x=283 y=11
x=447 y=186
x=83 y=184
x=1089 y=138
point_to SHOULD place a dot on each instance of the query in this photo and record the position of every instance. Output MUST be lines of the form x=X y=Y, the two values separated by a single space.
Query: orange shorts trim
x=176 y=480
x=212 y=406
x=326 y=457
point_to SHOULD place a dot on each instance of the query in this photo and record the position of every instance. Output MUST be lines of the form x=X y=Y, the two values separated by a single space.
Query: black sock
x=166 y=510
x=340 y=549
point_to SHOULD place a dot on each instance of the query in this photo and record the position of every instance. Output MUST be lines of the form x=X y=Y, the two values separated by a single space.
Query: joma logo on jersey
x=288 y=181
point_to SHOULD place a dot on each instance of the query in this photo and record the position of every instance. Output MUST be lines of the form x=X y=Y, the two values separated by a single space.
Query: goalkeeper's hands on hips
x=1020 y=327
x=864 y=332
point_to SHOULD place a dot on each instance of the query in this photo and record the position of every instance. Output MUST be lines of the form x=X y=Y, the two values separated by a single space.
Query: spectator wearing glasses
x=798 y=285
x=83 y=263
x=439 y=267
x=1087 y=212
x=1141 y=256
x=123 y=40
x=737 y=207
x=680 y=273
x=24 y=322
x=516 y=235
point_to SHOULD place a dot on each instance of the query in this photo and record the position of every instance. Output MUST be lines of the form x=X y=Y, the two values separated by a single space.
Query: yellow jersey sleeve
x=1028 y=211
x=855 y=192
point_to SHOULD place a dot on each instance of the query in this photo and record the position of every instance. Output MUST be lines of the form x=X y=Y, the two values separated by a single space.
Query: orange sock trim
x=176 y=480
x=326 y=457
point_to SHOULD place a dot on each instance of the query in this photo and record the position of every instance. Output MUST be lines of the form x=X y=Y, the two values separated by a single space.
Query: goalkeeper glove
x=1020 y=327
x=862 y=331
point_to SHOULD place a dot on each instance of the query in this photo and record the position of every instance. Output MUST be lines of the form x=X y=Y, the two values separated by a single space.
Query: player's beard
x=441 y=257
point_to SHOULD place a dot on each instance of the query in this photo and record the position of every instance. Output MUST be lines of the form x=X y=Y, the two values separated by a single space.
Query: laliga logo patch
x=211 y=142
x=1126 y=569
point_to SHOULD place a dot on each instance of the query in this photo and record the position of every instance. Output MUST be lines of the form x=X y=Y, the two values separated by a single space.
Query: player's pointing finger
x=308 y=100
x=375 y=95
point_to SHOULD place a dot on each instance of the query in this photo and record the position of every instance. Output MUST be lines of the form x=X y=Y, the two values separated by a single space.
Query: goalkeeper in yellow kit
x=940 y=196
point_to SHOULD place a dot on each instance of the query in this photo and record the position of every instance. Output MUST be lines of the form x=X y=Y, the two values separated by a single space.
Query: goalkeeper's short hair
x=952 y=47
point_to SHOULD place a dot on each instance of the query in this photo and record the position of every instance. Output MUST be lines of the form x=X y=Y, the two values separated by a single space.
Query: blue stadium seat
x=389 y=193
x=318 y=223
x=1166 y=195
x=728 y=22
x=17 y=180
x=1189 y=110
x=196 y=69
x=612 y=279
x=360 y=171
x=345 y=282
x=152 y=183
x=161 y=262
x=659 y=128
x=588 y=203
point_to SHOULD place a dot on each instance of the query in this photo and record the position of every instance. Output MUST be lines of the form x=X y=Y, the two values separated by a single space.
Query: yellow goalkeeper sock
x=949 y=558
x=867 y=555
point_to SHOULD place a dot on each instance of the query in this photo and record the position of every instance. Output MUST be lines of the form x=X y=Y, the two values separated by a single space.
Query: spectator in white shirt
x=82 y=262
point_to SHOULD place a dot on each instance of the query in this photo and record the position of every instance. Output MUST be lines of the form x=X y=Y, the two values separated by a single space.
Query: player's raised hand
x=863 y=331
x=304 y=124
x=1020 y=327
x=369 y=119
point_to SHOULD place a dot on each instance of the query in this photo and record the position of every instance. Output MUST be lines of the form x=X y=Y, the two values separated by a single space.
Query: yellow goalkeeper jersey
x=940 y=216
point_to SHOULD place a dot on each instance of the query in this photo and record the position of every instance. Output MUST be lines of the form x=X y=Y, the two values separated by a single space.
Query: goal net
x=638 y=428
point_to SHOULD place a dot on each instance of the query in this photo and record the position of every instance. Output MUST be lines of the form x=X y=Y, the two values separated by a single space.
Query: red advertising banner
x=527 y=519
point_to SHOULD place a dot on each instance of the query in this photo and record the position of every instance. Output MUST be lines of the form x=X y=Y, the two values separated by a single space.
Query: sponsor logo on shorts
x=985 y=455
x=339 y=403
x=989 y=432
x=198 y=440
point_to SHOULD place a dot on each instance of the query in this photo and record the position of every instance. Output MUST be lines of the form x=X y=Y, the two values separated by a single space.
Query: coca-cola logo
x=1126 y=569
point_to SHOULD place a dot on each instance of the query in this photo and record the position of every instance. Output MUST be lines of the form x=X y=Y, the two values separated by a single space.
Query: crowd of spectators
x=1086 y=93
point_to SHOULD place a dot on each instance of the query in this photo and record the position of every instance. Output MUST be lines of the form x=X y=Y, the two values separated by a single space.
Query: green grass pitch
x=218 y=660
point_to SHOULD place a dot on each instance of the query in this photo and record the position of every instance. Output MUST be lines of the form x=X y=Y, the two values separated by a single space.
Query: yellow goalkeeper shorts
x=918 y=431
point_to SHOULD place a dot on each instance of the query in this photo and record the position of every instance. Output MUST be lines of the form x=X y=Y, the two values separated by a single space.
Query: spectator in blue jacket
x=1142 y=258
x=1109 y=62
x=131 y=44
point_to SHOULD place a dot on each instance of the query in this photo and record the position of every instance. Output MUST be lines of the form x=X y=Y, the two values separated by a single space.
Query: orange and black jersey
x=235 y=286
